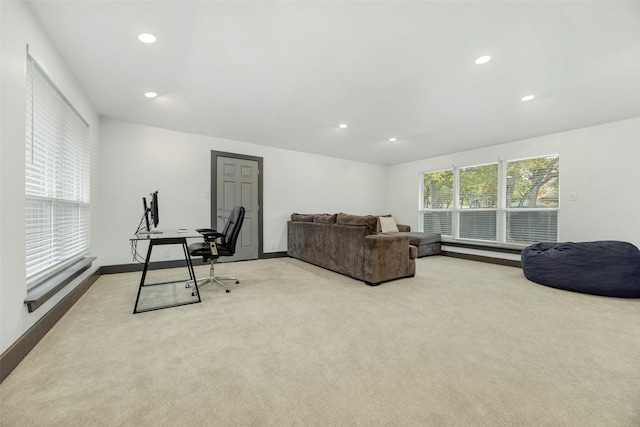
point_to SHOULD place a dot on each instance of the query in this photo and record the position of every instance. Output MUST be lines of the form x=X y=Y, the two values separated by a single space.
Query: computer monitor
x=154 y=209
x=150 y=216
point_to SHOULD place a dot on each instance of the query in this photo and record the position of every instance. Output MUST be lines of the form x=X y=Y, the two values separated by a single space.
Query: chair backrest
x=231 y=229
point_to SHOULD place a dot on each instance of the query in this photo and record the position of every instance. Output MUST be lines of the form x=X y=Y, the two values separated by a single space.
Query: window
x=532 y=200
x=478 y=202
x=438 y=201
x=57 y=162
x=510 y=202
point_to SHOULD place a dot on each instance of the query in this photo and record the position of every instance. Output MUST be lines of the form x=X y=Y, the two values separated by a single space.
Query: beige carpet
x=461 y=344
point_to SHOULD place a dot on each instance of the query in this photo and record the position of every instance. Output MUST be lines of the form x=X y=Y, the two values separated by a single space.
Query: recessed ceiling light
x=393 y=139
x=483 y=59
x=527 y=98
x=150 y=94
x=342 y=126
x=147 y=38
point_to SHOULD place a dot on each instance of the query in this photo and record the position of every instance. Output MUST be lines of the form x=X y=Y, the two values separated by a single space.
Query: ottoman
x=607 y=268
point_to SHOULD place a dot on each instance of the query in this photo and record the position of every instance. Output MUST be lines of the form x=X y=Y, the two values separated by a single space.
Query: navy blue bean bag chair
x=608 y=268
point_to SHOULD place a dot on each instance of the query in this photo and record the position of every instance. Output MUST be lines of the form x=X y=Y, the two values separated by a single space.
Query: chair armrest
x=209 y=234
x=205 y=230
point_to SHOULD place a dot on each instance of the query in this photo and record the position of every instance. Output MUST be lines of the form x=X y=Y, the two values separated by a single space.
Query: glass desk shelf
x=173 y=293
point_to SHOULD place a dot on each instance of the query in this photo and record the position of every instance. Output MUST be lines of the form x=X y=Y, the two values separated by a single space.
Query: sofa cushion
x=417 y=238
x=325 y=218
x=427 y=243
x=302 y=217
x=388 y=225
x=370 y=221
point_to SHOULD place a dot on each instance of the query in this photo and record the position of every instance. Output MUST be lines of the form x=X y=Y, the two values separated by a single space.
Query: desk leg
x=192 y=274
x=144 y=275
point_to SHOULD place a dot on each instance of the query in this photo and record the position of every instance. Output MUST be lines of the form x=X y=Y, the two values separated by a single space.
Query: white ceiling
x=287 y=73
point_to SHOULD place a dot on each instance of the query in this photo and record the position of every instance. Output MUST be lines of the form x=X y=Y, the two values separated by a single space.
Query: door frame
x=214 y=190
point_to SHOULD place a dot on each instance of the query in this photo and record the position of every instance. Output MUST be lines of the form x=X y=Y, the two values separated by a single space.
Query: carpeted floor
x=461 y=344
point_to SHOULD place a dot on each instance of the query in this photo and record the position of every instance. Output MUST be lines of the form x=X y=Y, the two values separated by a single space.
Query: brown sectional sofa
x=350 y=245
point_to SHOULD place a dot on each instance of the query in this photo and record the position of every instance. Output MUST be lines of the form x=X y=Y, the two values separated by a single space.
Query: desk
x=170 y=237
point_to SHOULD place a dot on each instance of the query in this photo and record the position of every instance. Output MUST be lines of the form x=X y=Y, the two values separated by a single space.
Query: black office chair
x=218 y=244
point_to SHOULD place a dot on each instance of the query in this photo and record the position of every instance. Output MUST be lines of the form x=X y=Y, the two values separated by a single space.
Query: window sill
x=485 y=246
x=49 y=287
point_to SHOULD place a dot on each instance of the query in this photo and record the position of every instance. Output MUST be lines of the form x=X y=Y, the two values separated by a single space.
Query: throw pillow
x=378 y=221
x=388 y=225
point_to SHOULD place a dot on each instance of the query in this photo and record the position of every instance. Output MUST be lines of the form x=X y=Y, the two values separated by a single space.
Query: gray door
x=237 y=185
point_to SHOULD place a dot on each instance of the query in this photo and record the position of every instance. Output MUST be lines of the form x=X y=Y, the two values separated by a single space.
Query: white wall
x=600 y=164
x=135 y=160
x=17 y=30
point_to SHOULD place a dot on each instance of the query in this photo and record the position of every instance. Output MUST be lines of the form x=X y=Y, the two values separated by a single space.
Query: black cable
x=134 y=244
x=134 y=252
x=140 y=224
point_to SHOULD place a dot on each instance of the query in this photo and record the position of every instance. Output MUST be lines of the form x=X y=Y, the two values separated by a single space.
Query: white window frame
x=501 y=211
x=57 y=179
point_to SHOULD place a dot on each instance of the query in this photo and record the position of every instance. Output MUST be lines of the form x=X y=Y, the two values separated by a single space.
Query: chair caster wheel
x=187 y=285
x=237 y=282
x=193 y=294
x=227 y=291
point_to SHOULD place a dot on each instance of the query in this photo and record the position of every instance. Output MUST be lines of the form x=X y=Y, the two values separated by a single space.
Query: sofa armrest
x=387 y=257
x=402 y=227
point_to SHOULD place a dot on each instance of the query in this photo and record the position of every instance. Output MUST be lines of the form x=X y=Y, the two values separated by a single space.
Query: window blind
x=439 y=222
x=57 y=179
